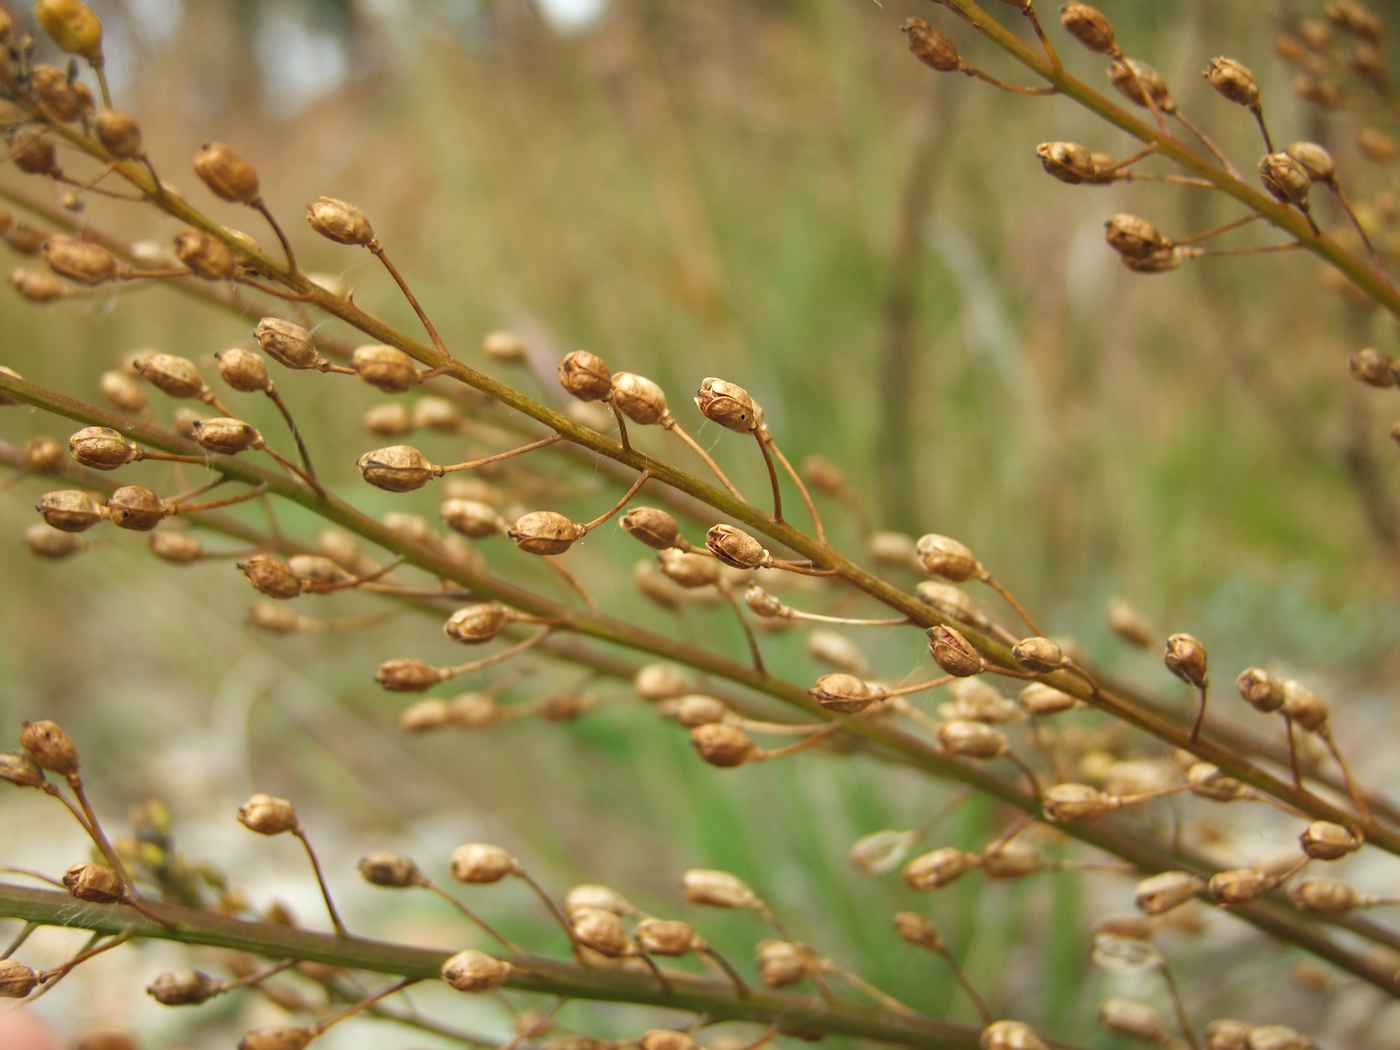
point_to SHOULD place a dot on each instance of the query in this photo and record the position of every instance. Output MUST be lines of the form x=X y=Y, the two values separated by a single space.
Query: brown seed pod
x=20 y=769
x=719 y=889
x=1134 y=238
x=1038 y=654
x=1276 y=1037
x=123 y=391
x=1228 y=1034
x=102 y=448
x=178 y=548
x=667 y=937
x=119 y=134
x=1088 y=26
x=1285 y=178
x=976 y=701
x=592 y=895
x=722 y=745
x=398 y=468
x=32 y=151
x=184 y=988
x=474 y=971
x=50 y=747
x=472 y=518
x=1013 y=860
x=70 y=510
x=281 y=1037
x=654 y=527
x=1041 y=700
x=1133 y=1019
x=1326 y=895
x=846 y=694
x=407 y=676
x=94 y=882
x=932 y=48
x=1355 y=18
x=135 y=507
x=765 y=605
x=954 y=653
x=206 y=256
x=736 y=548
x=59 y=95
x=1171 y=889
x=268 y=815
x=1011 y=1035
x=1324 y=840
x=227 y=174
x=243 y=370
x=951 y=602
x=79 y=260
x=839 y=651
x=1371 y=367
x=640 y=400
x=272 y=576
x=39 y=286
x=1207 y=781
x=437 y=413
x=1234 y=81
x=1316 y=161
x=1137 y=82
x=43 y=453
x=1186 y=658
x=175 y=376
x=729 y=405
x=586 y=376
x=391 y=870
x=478 y=623
x=1306 y=708
x=387 y=367
x=1068 y=161
x=287 y=343
x=938 y=868
x=1069 y=803
x=694 y=710
x=480 y=862
x=782 y=963
x=275 y=619
x=1260 y=690
x=506 y=347
x=16 y=979
x=394 y=419
x=916 y=929
x=72 y=26
x=1237 y=886
x=545 y=532
x=946 y=558
x=340 y=222
x=225 y=435
x=689 y=570
x=972 y=740
x=601 y=930
x=660 y=682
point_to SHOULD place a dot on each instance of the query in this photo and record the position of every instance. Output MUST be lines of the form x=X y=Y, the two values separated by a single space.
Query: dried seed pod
x=950 y=602
x=397 y=468
x=1134 y=238
x=1011 y=1035
x=1326 y=895
x=407 y=676
x=478 y=623
x=205 y=255
x=846 y=694
x=976 y=701
x=1040 y=700
x=1171 y=889
x=20 y=769
x=506 y=347
x=947 y=559
x=696 y=710
x=660 y=682
x=225 y=435
x=1087 y=25
x=1068 y=161
x=640 y=400
x=228 y=175
x=39 y=286
x=837 y=650
x=16 y=979
x=481 y=862
x=102 y=448
x=1371 y=367
x=1228 y=1034
x=915 y=929
x=286 y=342
x=1038 y=654
x=728 y=404
x=268 y=815
x=436 y=413
x=392 y=870
x=1207 y=781
x=1285 y=178
x=184 y=988
x=1277 y=1037
x=1324 y=840
x=70 y=510
x=722 y=745
x=667 y=1039
x=79 y=260
x=1186 y=658
x=1306 y=708
x=1260 y=690
x=59 y=95
x=94 y=882
x=782 y=963
x=1013 y=860
x=1138 y=82
x=736 y=547
x=719 y=889
x=178 y=548
x=586 y=376
x=1069 y=803
x=667 y=937
x=689 y=570
x=123 y=391
x=765 y=605
x=972 y=740
x=1237 y=886
x=474 y=971
x=1133 y=1019
x=387 y=367
x=1160 y=261
x=32 y=151
x=43 y=453
x=272 y=576
x=592 y=895
x=340 y=222
x=1234 y=81
x=654 y=527
x=275 y=619
x=50 y=746
x=895 y=549
x=1316 y=161
x=119 y=134
x=601 y=930
x=938 y=868
x=546 y=532
x=954 y=653
x=392 y=420
x=931 y=47
x=426 y=715
x=175 y=376
x=243 y=370
x=281 y=1037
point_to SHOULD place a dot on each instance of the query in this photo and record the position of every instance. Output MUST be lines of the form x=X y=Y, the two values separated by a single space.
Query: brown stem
x=296 y=436
x=670 y=424
x=286 y=245
x=754 y=651
x=378 y=250
x=1358 y=798
x=505 y=942
x=626 y=499
x=961 y=977
x=364 y=1004
x=991 y=582
x=801 y=488
x=772 y=475
x=473 y=464
x=340 y=930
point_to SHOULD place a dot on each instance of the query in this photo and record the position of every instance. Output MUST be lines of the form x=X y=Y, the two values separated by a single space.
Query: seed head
x=938 y=868
x=1285 y=178
x=1011 y=1035
x=33 y=153
x=1134 y=238
x=243 y=370
x=545 y=532
x=727 y=404
x=271 y=575
x=782 y=963
x=640 y=400
x=667 y=937
x=1207 y=781
x=719 y=889
x=954 y=653
x=601 y=930
x=397 y=468
x=268 y=815
x=225 y=435
x=1171 y=889
x=478 y=623
x=1161 y=261
x=972 y=740
x=94 y=882
x=1137 y=82
x=1371 y=367
x=407 y=676
x=1087 y=25
x=20 y=769
x=592 y=895
x=287 y=343
x=947 y=559
x=1186 y=658
x=722 y=745
x=765 y=605
x=1326 y=895
x=1237 y=886
x=660 y=682
x=1260 y=690
x=70 y=510
x=736 y=547
x=1133 y=1019
x=119 y=134
x=72 y=27
x=689 y=570
x=1316 y=161
x=931 y=47
x=317 y=570
x=387 y=367
x=101 y=448
x=16 y=979
x=78 y=260
x=474 y=971
x=655 y=528
x=481 y=862
x=1070 y=803
x=43 y=453
x=183 y=988
x=915 y=929
x=39 y=286
x=846 y=694
x=175 y=376
x=1068 y=161
x=265 y=616
x=1233 y=81
x=586 y=376
x=950 y=602
x=392 y=870
x=1013 y=860
x=205 y=255
x=1040 y=700
x=227 y=174
x=50 y=747
x=1038 y=654
x=67 y=100
x=1306 y=708
x=695 y=710
x=340 y=222
x=1324 y=840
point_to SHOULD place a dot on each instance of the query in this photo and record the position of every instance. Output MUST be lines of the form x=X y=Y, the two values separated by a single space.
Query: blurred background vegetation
x=776 y=193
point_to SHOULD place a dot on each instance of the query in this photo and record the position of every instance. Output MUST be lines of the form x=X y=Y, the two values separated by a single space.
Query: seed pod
x=736 y=547
x=478 y=623
x=340 y=222
x=545 y=532
x=667 y=1039
x=426 y=715
x=1326 y=895
x=1371 y=367
x=287 y=343
x=1277 y=1037
x=436 y=413
x=972 y=740
x=39 y=286
x=586 y=376
x=954 y=653
x=765 y=605
x=1040 y=700
x=271 y=575
x=178 y=548
x=601 y=930
x=206 y=256
x=931 y=47
x=119 y=134
x=184 y=988
x=1285 y=178
x=397 y=468
x=1260 y=689
x=20 y=769
x=1237 y=886
x=279 y=1038
x=228 y=175
x=722 y=745
x=387 y=367
x=1305 y=707
x=1324 y=840
x=268 y=815
x=79 y=260
x=474 y=971
x=102 y=448
x=1134 y=238
x=391 y=420
x=1038 y=654
x=640 y=400
x=1186 y=658
x=654 y=527
x=392 y=870
x=506 y=347
x=471 y=518
x=70 y=510
x=33 y=153
x=60 y=96
x=1069 y=803
x=135 y=507
x=947 y=559
x=123 y=391
x=695 y=710
x=243 y=370
x=1013 y=860
x=846 y=694
x=1011 y=1035
x=660 y=682
x=728 y=404
x=915 y=929
x=1162 y=261
x=275 y=619
x=1133 y=1019
x=781 y=963
x=225 y=435
x=719 y=889
x=592 y=895
x=72 y=27
x=976 y=701
x=1137 y=82
x=407 y=676
x=667 y=937
x=1207 y=781
x=1088 y=26
x=1234 y=81
x=1068 y=161
x=50 y=747
x=1171 y=889
x=950 y=602
x=480 y=862
x=175 y=376
x=43 y=453
x=94 y=882
x=1316 y=161
x=938 y=868
x=16 y=979
x=1228 y=1034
